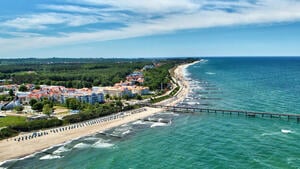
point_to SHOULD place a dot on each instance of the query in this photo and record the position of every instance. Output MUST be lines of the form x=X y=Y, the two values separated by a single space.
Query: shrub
x=19 y=108
x=7 y=132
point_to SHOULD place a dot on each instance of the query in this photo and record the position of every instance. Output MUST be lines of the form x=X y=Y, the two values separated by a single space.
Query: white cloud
x=261 y=12
x=42 y=21
x=150 y=6
x=76 y=9
x=23 y=34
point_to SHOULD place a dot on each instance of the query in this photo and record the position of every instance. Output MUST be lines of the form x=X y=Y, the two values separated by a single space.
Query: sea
x=173 y=140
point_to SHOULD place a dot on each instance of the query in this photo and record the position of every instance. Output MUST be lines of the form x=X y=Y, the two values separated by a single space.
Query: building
x=1 y=105
x=147 y=67
x=11 y=105
x=85 y=97
x=140 y=90
x=4 y=81
x=23 y=97
x=61 y=94
x=13 y=87
x=127 y=91
x=2 y=88
x=38 y=94
x=112 y=91
x=96 y=98
x=135 y=77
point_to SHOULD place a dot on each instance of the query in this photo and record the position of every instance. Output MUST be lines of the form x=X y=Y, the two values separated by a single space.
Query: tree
x=119 y=103
x=47 y=101
x=11 y=92
x=37 y=87
x=32 y=102
x=126 y=97
x=5 y=98
x=23 y=88
x=73 y=103
x=38 y=106
x=139 y=97
x=116 y=98
x=19 y=108
x=47 y=109
x=107 y=96
x=69 y=84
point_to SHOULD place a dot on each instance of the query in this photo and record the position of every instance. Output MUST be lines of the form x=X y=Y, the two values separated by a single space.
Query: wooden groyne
x=228 y=112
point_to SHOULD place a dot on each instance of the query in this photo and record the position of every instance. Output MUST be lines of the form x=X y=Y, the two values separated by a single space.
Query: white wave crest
x=170 y=113
x=101 y=144
x=61 y=150
x=158 y=124
x=285 y=131
x=91 y=138
x=203 y=61
x=50 y=156
x=126 y=132
x=192 y=103
x=270 y=134
x=210 y=73
x=81 y=145
x=139 y=122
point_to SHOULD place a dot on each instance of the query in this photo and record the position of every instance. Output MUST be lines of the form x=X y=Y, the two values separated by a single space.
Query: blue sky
x=154 y=28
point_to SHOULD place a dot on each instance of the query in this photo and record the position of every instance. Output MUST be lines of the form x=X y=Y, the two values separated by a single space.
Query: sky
x=152 y=28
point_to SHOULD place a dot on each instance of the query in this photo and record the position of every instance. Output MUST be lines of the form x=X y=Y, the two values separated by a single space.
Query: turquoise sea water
x=202 y=140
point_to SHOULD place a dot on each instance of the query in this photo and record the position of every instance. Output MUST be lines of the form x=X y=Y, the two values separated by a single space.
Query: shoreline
x=12 y=150
x=182 y=82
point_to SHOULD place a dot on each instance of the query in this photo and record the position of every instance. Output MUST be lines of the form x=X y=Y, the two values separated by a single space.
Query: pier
x=253 y=114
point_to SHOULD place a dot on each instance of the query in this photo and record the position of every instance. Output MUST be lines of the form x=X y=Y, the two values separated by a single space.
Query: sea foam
x=101 y=144
x=158 y=124
x=210 y=73
x=50 y=156
x=81 y=145
x=126 y=132
x=286 y=131
x=139 y=122
x=91 y=138
x=61 y=150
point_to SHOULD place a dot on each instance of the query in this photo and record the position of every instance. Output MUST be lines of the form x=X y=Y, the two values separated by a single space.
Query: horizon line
x=149 y=57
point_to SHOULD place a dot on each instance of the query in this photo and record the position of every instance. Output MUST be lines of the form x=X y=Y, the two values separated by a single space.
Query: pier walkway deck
x=229 y=112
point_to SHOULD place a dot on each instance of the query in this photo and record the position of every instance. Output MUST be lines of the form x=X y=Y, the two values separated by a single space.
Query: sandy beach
x=11 y=149
x=183 y=84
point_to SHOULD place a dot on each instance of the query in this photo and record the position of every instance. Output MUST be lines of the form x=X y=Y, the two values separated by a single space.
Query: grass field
x=60 y=110
x=10 y=120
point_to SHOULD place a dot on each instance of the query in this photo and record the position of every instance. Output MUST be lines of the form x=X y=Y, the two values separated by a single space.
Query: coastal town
x=157 y=84
x=132 y=87
x=41 y=139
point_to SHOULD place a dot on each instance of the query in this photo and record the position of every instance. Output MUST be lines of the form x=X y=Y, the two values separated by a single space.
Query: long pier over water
x=229 y=112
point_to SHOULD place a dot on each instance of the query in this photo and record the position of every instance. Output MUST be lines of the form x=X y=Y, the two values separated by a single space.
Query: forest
x=79 y=73
x=70 y=74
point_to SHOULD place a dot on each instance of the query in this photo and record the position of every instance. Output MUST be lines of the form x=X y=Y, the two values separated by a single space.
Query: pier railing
x=229 y=112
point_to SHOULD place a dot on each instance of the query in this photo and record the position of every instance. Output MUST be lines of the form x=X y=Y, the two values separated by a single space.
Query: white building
x=91 y=98
x=23 y=97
